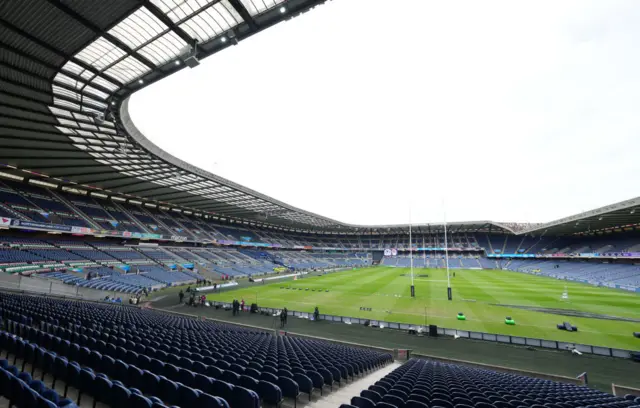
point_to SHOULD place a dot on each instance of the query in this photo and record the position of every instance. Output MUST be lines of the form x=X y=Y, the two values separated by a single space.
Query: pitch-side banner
x=511 y=255
x=40 y=226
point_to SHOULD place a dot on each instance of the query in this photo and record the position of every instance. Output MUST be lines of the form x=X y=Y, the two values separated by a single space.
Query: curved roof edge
x=136 y=135
x=607 y=217
x=65 y=123
x=127 y=123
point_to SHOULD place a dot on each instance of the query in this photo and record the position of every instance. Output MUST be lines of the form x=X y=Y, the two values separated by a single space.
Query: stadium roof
x=67 y=69
x=622 y=216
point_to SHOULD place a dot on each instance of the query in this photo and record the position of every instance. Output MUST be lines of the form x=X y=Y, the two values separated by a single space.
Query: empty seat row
x=428 y=384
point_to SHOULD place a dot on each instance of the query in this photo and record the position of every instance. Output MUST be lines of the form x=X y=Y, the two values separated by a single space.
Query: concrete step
x=343 y=395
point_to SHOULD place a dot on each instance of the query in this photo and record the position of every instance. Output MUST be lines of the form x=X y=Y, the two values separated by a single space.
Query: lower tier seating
x=152 y=359
x=424 y=384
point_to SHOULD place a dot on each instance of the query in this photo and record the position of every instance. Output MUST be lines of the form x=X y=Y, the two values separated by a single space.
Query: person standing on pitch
x=283 y=317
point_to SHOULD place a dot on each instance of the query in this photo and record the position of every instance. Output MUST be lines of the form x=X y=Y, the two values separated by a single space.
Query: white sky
x=362 y=109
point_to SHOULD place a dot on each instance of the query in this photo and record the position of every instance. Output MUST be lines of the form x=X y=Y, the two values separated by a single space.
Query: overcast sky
x=362 y=109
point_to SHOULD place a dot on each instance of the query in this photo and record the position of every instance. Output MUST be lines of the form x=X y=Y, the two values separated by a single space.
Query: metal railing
x=19 y=283
x=467 y=334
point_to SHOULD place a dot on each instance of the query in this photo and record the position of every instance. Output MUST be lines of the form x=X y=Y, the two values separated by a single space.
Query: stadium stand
x=33 y=253
x=132 y=357
x=588 y=272
x=75 y=159
x=421 y=383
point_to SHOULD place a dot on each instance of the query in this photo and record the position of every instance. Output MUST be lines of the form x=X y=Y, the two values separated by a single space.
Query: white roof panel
x=212 y=22
x=100 y=53
x=164 y=49
x=128 y=70
x=139 y=28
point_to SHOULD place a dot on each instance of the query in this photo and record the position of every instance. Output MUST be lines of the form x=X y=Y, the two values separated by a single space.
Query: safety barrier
x=473 y=335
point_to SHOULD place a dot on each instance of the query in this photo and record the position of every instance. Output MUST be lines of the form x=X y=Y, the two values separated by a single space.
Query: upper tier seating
x=423 y=384
x=175 y=359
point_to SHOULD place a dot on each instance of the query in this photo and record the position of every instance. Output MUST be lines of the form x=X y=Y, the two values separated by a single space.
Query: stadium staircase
x=177 y=258
x=338 y=397
x=534 y=246
x=157 y=220
x=185 y=230
x=520 y=245
x=76 y=211
x=504 y=246
x=197 y=258
x=490 y=246
x=131 y=218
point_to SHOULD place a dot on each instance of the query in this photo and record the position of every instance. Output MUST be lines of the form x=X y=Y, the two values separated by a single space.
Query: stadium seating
x=163 y=276
x=582 y=271
x=423 y=384
x=30 y=202
x=123 y=355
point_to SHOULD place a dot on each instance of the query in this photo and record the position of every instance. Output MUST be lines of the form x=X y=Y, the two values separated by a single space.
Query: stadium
x=131 y=277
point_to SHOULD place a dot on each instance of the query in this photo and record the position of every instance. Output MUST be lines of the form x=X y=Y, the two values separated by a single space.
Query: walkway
x=344 y=394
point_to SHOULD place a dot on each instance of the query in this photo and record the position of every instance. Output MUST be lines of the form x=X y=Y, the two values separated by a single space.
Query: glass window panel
x=212 y=22
x=66 y=104
x=85 y=133
x=77 y=139
x=138 y=28
x=104 y=83
x=107 y=130
x=64 y=79
x=100 y=53
x=66 y=130
x=60 y=112
x=94 y=92
x=65 y=92
x=164 y=49
x=79 y=116
x=178 y=10
x=127 y=70
x=87 y=126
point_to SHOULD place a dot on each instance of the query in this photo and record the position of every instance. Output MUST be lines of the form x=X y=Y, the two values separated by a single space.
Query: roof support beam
x=157 y=186
x=67 y=166
x=60 y=53
x=242 y=10
x=70 y=12
x=108 y=177
x=167 y=21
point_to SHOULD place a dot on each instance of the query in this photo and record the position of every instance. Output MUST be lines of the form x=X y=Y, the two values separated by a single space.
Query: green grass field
x=479 y=294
